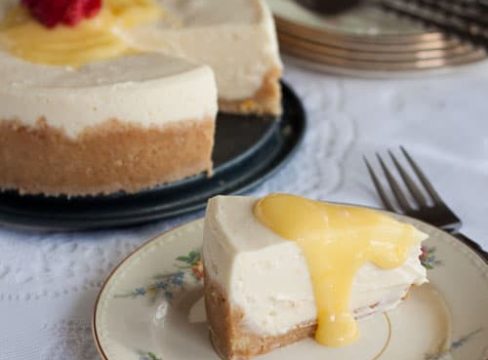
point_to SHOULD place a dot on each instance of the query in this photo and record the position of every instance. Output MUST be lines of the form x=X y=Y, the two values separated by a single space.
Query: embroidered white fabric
x=48 y=282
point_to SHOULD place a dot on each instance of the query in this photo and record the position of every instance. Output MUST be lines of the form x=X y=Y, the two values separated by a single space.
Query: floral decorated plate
x=151 y=308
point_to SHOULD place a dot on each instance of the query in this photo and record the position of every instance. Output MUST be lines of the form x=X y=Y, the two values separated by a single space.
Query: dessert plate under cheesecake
x=151 y=307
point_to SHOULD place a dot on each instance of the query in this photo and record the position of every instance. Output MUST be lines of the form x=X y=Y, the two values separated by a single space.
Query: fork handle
x=472 y=244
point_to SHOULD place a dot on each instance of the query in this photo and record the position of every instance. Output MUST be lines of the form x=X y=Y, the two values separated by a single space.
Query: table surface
x=48 y=282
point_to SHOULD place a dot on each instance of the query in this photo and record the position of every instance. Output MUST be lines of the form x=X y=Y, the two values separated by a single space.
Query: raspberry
x=68 y=12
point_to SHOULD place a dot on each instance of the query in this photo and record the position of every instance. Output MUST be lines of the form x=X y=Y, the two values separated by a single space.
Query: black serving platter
x=248 y=149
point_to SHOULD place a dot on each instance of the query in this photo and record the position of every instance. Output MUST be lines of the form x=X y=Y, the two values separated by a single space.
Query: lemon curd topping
x=336 y=242
x=91 y=40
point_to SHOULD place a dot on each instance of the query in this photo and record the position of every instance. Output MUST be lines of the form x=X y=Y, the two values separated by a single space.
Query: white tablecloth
x=48 y=282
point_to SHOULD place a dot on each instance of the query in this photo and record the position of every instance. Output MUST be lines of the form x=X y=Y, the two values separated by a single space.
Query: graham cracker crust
x=230 y=338
x=266 y=101
x=110 y=157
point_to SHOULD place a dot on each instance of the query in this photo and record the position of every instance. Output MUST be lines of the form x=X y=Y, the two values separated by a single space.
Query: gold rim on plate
x=386 y=66
x=426 y=37
x=312 y=47
x=439 y=44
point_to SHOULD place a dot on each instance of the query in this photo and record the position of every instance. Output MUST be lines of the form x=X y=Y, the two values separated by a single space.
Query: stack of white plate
x=366 y=40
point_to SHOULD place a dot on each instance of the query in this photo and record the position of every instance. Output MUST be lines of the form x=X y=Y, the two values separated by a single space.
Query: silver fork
x=424 y=204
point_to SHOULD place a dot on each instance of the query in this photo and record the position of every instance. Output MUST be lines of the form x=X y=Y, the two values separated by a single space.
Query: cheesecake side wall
x=107 y=158
x=230 y=337
x=265 y=101
x=233 y=340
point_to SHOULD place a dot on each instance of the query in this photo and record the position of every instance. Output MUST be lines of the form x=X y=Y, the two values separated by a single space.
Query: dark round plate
x=248 y=149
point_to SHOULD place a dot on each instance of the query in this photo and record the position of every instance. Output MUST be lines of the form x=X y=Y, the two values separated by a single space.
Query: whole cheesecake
x=127 y=100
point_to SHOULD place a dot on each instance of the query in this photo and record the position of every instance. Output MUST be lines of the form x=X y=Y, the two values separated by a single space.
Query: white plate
x=151 y=308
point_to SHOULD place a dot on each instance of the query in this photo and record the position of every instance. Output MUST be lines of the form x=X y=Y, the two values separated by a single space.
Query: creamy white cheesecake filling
x=148 y=90
x=236 y=38
x=267 y=278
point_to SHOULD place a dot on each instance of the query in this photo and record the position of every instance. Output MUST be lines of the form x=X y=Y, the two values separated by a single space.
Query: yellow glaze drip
x=336 y=241
x=91 y=40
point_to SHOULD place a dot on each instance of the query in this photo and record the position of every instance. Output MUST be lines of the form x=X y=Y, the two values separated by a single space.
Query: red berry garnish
x=68 y=12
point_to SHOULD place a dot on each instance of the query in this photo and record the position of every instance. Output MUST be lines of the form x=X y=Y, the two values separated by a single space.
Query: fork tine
x=397 y=191
x=379 y=188
x=414 y=190
x=423 y=179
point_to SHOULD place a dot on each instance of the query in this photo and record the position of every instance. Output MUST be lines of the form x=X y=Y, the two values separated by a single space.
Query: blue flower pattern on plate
x=166 y=285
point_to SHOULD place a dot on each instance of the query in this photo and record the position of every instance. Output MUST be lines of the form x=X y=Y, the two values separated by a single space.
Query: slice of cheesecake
x=283 y=268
